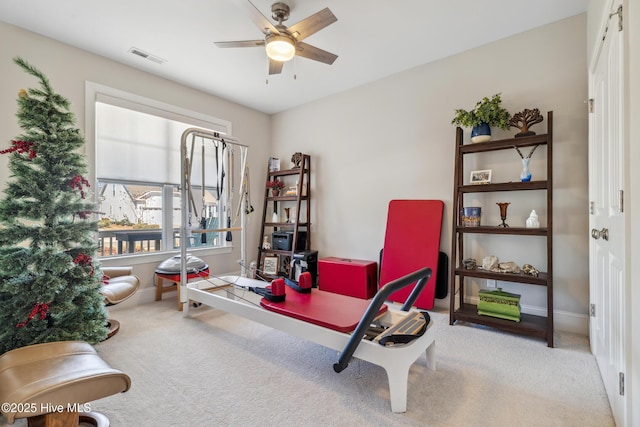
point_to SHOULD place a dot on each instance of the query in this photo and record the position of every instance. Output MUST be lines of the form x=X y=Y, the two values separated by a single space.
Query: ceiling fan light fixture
x=280 y=48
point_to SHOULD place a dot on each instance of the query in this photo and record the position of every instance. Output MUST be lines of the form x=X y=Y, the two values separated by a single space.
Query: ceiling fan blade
x=312 y=24
x=243 y=43
x=259 y=19
x=275 y=67
x=311 y=52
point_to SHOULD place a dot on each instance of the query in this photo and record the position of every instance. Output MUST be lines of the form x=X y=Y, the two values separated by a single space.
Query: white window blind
x=139 y=142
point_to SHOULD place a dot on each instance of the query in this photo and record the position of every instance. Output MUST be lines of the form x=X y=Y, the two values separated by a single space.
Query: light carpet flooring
x=218 y=369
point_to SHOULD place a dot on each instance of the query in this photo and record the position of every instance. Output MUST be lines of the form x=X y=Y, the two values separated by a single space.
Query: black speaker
x=442 y=279
x=306 y=261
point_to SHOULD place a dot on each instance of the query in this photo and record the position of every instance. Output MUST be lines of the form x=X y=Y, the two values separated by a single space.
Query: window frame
x=95 y=92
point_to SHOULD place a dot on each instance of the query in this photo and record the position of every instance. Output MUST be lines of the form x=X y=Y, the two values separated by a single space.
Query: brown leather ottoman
x=51 y=383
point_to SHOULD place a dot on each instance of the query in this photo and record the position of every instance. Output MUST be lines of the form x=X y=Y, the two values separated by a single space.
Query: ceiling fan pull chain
x=266 y=80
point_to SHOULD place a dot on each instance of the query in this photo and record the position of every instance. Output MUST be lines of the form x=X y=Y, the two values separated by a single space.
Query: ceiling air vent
x=146 y=55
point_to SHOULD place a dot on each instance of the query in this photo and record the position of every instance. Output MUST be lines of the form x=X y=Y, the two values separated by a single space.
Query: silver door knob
x=596 y=234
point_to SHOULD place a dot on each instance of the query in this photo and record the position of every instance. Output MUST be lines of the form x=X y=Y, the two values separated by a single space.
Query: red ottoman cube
x=352 y=277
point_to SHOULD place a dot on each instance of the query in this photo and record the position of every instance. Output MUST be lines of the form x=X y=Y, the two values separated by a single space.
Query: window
x=137 y=164
x=130 y=218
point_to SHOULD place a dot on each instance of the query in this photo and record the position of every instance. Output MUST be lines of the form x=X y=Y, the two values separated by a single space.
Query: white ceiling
x=372 y=38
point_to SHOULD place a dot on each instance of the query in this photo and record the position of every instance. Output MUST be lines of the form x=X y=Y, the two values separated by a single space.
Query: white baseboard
x=563 y=320
x=147 y=294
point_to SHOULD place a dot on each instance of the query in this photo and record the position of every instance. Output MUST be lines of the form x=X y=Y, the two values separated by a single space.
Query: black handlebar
x=422 y=276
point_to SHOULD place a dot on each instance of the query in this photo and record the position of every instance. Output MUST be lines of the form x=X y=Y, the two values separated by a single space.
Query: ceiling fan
x=283 y=43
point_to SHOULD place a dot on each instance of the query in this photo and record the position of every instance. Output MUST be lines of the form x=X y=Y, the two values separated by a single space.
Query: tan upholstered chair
x=51 y=384
x=120 y=285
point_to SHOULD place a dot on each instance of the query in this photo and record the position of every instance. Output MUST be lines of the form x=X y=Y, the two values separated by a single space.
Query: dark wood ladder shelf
x=460 y=309
x=300 y=203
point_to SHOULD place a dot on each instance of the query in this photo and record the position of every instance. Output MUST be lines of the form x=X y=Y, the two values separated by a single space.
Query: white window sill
x=146 y=258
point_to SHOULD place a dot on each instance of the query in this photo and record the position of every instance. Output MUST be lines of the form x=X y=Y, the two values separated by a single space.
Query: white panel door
x=606 y=220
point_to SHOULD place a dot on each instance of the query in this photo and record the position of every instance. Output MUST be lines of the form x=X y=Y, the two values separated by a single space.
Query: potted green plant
x=487 y=113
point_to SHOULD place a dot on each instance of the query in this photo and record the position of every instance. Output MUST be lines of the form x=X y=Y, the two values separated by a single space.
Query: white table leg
x=398 y=383
x=431 y=356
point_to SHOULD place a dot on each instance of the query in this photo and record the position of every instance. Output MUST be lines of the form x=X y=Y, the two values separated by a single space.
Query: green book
x=500 y=304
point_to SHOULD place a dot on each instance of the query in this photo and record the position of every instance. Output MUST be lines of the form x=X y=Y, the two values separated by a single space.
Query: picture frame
x=480 y=177
x=270 y=265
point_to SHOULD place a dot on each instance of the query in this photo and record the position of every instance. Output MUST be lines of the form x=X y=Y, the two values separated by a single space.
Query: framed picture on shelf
x=480 y=177
x=270 y=265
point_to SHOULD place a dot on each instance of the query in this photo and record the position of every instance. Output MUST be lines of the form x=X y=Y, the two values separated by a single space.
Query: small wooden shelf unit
x=301 y=220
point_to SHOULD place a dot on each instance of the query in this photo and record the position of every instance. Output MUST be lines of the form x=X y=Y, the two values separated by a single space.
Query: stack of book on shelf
x=497 y=303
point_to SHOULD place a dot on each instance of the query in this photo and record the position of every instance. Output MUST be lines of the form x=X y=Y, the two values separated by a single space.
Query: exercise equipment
x=336 y=321
x=353 y=277
x=412 y=240
x=169 y=270
x=340 y=322
x=303 y=285
x=224 y=146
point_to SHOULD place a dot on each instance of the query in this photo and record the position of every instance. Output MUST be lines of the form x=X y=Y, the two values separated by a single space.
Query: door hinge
x=592 y=207
x=619 y=13
x=592 y=310
x=621 y=383
x=590 y=104
x=621 y=194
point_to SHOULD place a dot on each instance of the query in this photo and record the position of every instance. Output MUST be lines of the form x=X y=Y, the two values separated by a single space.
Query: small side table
x=175 y=279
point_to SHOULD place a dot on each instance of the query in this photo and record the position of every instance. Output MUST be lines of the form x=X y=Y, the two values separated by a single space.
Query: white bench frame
x=396 y=360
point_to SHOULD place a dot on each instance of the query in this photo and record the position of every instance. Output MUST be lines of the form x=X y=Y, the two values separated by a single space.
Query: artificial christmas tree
x=49 y=282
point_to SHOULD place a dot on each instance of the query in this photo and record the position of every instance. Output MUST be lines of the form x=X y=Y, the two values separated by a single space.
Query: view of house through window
x=138 y=183
x=130 y=218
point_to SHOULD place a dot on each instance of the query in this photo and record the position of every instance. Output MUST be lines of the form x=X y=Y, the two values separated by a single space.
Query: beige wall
x=392 y=139
x=68 y=68
x=386 y=140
